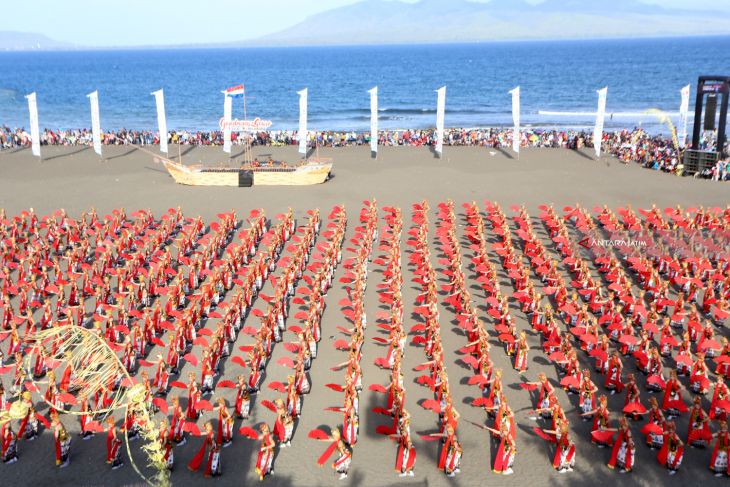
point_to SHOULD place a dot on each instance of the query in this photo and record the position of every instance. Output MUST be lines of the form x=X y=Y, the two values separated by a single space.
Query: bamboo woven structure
x=314 y=171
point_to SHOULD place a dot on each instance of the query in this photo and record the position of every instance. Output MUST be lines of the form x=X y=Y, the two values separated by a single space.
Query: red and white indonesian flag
x=302 y=134
x=374 y=119
x=35 y=133
x=95 y=122
x=440 y=114
x=235 y=91
x=227 y=113
x=516 y=137
x=161 y=120
x=600 y=116
x=683 y=115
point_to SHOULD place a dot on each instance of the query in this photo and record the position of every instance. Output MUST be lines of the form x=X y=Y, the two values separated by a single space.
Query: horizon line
x=223 y=46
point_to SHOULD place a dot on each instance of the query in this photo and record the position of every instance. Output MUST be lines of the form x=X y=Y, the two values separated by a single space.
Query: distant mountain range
x=438 y=21
x=444 y=21
x=29 y=41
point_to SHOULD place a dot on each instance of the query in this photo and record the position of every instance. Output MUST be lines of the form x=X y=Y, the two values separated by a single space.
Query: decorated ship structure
x=248 y=171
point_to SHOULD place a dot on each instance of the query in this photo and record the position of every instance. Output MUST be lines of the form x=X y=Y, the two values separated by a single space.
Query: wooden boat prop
x=311 y=171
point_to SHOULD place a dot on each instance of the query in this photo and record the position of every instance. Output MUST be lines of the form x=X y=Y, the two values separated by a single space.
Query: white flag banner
x=95 y=122
x=440 y=113
x=161 y=120
x=374 y=119
x=227 y=114
x=302 y=134
x=683 y=114
x=35 y=133
x=600 y=116
x=516 y=136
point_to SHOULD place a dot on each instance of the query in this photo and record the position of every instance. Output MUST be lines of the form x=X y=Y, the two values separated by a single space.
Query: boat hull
x=307 y=174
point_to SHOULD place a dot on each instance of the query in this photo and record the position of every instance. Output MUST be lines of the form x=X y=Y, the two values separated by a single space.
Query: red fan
x=418 y=327
x=249 y=330
x=656 y=380
x=31 y=387
x=432 y=405
x=477 y=379
x=570 y=381
x=201 y=341
x=652 y=428
x=506 y=337
x=318 y=434
x=430 y=437
x=190 y=358
x=248 y=432
x=257 y=312
x=6 y=369
x=67 y=398
x=226 y=384
x=94 y=427
x=335 y=387
x=603 y=437
x=145 y=363
x=178 y=384
x=239 y=360
x=191 y=428
x=121 y=329
x=277 y=386
x=295 y=329
x=204 y=405
x=385 y=430
x=269 y=405
x=341 y=345
x=528 y=387
x=557 y=357
x=628 y=340
x=683 y=359
x=161 y=404
x=482 y=401
x=543 y=435
x=699 y=434
x=286 y=362
x=377 y=388
x=634 y=408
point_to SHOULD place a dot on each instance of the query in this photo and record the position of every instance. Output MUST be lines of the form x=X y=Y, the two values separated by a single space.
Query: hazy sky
x=154 y=22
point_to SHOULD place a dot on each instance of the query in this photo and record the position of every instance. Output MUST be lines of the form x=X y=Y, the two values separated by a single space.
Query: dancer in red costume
x=212 y=458
x=672 y=452
x=624 y=449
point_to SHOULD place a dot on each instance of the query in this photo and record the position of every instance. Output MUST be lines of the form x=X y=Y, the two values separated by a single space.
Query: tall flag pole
x=161 y=119
x=302 y=133
x=683 y=115
x=516 y=135
x=440 y=112
x=600 y=116
x=374 y=121
x=227 y=113
x=35 y=133
x=95 y=122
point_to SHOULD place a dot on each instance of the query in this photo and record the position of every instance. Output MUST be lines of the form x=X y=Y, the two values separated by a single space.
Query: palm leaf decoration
x=97 y=367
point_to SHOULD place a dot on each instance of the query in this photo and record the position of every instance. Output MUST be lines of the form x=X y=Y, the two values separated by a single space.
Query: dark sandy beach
x=76 y=179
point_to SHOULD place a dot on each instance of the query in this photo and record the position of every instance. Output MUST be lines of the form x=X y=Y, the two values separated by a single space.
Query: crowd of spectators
x=651 y=151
